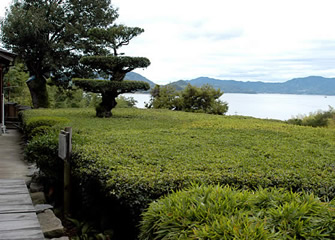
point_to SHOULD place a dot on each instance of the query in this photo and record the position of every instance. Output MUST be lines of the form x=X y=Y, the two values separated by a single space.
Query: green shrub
x=192 y=99
x=30 y=124
x=41 y=130
x=165 y=97
x=43 y=150
x=317 y=119
x=42 y=147
x=215 y=212
x=125 y=102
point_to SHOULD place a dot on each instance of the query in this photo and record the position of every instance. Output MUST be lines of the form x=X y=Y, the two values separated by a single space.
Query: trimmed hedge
x=42 y=148
x=41 y=124
x=215 y=212
x=139 y=155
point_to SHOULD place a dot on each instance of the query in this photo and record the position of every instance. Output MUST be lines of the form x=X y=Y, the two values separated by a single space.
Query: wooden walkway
x=18 y=218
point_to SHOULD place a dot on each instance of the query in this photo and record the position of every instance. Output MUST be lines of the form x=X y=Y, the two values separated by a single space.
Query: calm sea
x=272 y=106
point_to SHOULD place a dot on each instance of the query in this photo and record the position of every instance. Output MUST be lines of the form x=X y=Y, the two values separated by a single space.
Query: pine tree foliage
x=52 y=35
x=113 y=65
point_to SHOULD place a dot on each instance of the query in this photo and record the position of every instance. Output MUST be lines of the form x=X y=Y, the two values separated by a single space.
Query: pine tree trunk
x=38 y=92
x=104 y=110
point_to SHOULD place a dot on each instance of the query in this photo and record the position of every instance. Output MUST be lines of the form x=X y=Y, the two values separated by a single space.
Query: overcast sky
x=258 y=40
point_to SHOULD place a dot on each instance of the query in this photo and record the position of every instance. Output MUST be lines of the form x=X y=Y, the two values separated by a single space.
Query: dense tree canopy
x=15 y=88
x=52 y=35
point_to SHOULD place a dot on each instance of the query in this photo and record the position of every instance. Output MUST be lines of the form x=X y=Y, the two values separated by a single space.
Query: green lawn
x=141 y=154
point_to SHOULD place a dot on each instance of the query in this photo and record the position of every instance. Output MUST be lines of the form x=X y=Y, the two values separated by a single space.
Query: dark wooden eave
x=6 y=57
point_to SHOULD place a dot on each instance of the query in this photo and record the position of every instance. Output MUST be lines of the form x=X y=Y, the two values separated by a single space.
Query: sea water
x=271 y=106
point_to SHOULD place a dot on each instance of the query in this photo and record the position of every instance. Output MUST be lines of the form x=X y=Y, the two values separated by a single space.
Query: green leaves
x=140 y=155
x=101 y=86
x=115 y=36
x=192 y=99
x=109 y=91
x=113 y=65
x=116 y=67
x=215 y=212
x=51 y=36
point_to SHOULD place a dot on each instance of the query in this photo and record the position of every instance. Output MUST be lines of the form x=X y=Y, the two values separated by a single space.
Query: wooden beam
x=18 y=218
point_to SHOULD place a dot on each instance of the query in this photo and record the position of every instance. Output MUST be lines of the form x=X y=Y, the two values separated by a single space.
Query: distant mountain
x=179 y=85
x=138 y=77
x=308 y=85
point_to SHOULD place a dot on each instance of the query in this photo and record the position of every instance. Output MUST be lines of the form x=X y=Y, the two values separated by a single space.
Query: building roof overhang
x=6 y=57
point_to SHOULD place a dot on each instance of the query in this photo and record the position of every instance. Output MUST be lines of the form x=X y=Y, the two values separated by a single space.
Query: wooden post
x=1 y=101
x=67 y=172
x=64 y=152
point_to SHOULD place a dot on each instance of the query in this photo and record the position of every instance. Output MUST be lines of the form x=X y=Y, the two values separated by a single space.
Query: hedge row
x=140 y=155
x=42 y=148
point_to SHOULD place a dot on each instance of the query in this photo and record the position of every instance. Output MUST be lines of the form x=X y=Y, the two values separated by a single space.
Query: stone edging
x=51 y=226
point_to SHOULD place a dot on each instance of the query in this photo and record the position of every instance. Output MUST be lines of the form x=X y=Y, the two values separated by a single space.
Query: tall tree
x=113 y=65
x=51 y=36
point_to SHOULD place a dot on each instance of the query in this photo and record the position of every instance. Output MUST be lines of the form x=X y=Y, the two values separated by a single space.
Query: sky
x=258 y=40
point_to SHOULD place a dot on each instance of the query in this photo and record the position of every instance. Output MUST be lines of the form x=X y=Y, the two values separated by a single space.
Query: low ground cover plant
x=139 y=155
x=216 y=212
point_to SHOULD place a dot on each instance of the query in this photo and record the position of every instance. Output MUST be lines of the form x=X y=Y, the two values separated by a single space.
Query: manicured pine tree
x=114 y=65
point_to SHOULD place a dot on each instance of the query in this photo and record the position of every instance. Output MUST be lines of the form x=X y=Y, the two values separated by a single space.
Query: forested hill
x=138 y=77
x=307 y=85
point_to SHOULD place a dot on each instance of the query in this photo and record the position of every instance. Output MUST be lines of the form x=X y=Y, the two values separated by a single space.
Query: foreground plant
x=215 y=212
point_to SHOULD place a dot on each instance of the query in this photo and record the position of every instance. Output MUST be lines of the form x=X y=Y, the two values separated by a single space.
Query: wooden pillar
x=64 y=152
x=1 y=92
x=67 y=173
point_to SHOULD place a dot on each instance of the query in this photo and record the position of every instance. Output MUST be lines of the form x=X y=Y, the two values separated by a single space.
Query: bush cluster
x=41 y=124
x=192 y=99
x=317 y=119
x=125 y=102
x=42 y=147
x=215 y=212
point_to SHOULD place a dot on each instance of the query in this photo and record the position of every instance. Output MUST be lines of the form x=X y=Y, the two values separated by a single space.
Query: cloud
x=212 y=35
x=257 y=40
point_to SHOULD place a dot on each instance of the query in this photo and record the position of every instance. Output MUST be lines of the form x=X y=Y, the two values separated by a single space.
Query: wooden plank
x=11 y=191
x=16 y=209
x=17 y=217
x=22 y=234
x=18 y=220
x=11 y=181
x=12 y=186
x=15 y=199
